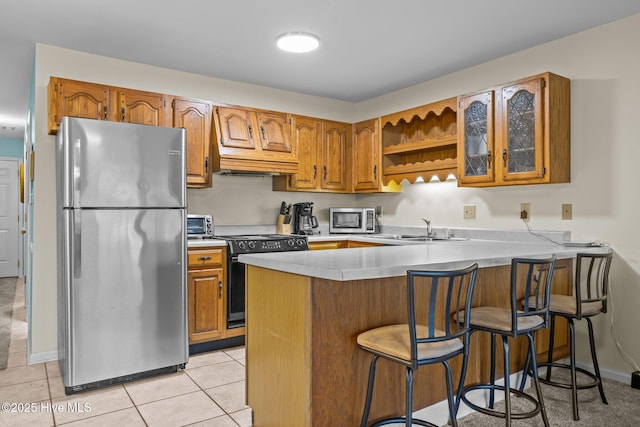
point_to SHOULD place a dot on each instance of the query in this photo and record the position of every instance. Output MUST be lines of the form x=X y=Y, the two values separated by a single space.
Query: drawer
x=205 y=257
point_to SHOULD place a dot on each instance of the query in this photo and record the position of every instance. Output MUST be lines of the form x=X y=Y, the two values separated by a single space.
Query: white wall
x=605 y=86
x=605 y=150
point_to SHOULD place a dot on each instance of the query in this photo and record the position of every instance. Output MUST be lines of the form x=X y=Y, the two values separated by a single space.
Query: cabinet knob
x=250 y=131
x=220 y=289
x=489 y=159
x=504 y=157
x=204 y=258
x=264 y=136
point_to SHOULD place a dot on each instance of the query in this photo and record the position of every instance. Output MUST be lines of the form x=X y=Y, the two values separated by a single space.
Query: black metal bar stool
x=535 y=275
x=435 y=338
x=591 y=287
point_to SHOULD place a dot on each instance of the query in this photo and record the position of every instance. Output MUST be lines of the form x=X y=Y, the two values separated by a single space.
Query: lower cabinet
x=206 y=279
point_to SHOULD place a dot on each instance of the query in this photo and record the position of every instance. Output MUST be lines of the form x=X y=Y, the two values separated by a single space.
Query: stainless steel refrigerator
x=121 y=223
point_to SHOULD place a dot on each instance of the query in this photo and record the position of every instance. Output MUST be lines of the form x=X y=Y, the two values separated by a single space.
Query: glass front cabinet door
x=522 y=131
x=516 y=133
x=476 y=146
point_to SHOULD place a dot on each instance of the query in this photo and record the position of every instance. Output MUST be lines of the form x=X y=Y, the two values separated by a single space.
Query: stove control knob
x=300 y=242
x=252 y=245
x=291 y=242
x=241 y=245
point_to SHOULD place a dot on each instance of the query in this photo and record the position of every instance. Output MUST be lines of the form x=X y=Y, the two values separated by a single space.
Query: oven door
x=235 y=292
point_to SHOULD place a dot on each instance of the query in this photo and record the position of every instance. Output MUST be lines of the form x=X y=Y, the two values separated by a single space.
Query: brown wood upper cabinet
x=366 y=167
x=144 y=108
x=323 y=156
x=101 y=102
x=517 y=133
x=78 y=99
x=195 y=116
x=253 y=140
x=336 y=150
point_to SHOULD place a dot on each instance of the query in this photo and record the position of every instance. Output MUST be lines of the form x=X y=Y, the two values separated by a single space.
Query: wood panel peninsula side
x=305 y=309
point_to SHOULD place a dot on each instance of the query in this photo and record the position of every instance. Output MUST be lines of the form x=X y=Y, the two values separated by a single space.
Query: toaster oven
x=199 y=226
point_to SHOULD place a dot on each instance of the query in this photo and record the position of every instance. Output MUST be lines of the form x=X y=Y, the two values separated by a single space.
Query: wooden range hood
x=252 y=141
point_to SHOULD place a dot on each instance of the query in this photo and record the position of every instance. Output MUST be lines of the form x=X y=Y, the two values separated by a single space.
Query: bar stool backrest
x=535 y=275
x=592 y=280
x=434 y=299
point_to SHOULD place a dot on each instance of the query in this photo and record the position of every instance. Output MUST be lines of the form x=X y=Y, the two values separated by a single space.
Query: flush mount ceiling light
x=298 y=42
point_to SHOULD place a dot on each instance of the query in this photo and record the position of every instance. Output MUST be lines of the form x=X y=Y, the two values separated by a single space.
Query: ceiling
x=367 y=47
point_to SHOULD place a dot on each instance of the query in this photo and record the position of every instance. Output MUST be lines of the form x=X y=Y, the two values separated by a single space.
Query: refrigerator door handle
x=76 y=246
x=77 y=176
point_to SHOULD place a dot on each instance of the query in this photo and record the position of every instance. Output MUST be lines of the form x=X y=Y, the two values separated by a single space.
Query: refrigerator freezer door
x=126 y=293
x=121 y=165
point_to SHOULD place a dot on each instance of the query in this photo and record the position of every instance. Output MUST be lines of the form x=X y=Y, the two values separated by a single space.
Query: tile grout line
x=211 y=398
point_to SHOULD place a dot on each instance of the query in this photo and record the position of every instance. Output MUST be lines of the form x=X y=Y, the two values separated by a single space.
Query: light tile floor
x=209 y=392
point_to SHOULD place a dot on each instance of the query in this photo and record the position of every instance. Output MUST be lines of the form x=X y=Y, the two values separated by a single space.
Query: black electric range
x=251 y=244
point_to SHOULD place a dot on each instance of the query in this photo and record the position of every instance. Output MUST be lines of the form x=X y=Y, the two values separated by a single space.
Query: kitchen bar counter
x=396 y=259
x=305 y=309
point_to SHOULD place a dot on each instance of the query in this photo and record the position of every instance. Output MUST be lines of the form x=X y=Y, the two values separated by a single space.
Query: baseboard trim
x=438 y=413
x=624 y=378
x=45 y=356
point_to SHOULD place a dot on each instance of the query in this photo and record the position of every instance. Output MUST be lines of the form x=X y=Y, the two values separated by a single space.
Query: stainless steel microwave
x=352 y=220
x=199 y=226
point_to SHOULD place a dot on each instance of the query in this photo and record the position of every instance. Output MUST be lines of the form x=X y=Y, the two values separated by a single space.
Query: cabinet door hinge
x=544 y=171
x=173 y=104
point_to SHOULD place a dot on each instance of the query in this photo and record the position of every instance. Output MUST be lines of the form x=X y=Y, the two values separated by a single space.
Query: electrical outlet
x=525 y=211
x=379 y=211
x=567 y=211
x=469 y=212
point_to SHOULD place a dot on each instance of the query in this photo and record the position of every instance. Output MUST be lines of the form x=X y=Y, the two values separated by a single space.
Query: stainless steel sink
x=419 y=238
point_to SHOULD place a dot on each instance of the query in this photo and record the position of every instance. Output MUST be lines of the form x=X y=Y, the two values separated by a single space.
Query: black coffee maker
x=302 y=219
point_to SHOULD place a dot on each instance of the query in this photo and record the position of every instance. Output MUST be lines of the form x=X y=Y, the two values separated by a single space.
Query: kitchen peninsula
x=305 y=309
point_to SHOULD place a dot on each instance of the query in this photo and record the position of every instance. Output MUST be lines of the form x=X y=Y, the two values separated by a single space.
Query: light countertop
x=395 y=260
x=201 y=243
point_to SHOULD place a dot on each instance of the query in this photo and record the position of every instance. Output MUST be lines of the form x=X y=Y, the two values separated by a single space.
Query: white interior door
x=9 y=218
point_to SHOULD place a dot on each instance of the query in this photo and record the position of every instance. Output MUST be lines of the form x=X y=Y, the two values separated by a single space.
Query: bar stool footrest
x=514 y=415
x=402 y=420
x=594 y=383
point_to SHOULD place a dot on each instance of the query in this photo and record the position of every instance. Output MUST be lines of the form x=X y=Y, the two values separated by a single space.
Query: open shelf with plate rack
x=420 y=142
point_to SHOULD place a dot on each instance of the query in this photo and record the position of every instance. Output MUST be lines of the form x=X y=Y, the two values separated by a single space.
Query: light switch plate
x=567 y=211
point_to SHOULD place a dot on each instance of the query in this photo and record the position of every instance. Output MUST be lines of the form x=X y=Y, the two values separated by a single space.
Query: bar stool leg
x=367 y=402
x=452 y=408
x=493 y=370
x=463 y=375
x=409 y=416
x=594 y=358
x=525 y=371
x=572 y=363
x=552 y=334
x=507 y=382
x=536 y=381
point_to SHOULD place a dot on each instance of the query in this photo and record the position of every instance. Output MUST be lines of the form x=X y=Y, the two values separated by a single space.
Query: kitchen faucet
x=428 y=227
